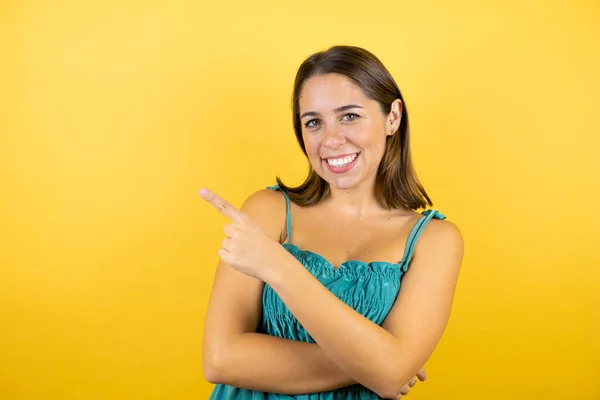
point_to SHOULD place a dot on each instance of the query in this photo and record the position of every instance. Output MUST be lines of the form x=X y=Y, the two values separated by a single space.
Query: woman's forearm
x=270 y=364
x=365 y=351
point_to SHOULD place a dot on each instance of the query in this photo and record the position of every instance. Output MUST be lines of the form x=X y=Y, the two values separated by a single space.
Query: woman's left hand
x=246 y=248
x=421 y=375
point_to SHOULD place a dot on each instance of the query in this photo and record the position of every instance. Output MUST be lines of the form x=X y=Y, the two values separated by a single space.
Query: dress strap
x=288 y=215
x=415 y=233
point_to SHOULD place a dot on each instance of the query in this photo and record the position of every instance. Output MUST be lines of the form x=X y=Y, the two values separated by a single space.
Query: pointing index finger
x=222 y=205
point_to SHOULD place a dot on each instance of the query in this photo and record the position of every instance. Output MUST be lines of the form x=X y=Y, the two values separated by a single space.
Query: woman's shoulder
x=440 y=232
x=265 y=198
x=268 y=208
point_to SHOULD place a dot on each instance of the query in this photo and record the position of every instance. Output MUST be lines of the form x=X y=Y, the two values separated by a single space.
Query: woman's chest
x=339 y=239
x=369 y=288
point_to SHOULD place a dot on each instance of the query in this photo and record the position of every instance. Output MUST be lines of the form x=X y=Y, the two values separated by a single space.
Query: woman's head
x=352 y=124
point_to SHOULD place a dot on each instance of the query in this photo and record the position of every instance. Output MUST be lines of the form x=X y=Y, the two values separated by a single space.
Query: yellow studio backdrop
x=114 y=113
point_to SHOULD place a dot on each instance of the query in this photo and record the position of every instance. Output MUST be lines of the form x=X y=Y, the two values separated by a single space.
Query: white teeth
x=341 y=162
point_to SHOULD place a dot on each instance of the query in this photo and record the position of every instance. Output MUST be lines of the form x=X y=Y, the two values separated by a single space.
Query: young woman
x=338 y=288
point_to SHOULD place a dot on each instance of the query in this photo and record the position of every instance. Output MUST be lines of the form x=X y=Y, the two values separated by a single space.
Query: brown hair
x=397 y=185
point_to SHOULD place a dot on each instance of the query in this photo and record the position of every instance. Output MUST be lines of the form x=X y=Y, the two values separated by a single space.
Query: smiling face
x=344 y=131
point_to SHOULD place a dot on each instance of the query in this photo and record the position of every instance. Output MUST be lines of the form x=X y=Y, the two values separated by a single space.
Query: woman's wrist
x=282 y=269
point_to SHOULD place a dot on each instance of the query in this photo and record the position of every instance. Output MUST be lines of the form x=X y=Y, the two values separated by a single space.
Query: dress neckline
x=345 y=265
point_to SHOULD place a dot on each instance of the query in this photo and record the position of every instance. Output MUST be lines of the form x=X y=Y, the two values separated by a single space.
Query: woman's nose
x=332 y=136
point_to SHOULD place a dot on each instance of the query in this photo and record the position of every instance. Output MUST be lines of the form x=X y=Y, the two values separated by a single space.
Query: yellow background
x=114 y=113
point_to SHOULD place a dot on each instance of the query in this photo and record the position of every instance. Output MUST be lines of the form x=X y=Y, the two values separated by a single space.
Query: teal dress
x=369 y=288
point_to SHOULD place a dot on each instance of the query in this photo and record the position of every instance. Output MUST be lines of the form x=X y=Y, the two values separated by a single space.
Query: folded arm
x=382 y=358
x=234 y=354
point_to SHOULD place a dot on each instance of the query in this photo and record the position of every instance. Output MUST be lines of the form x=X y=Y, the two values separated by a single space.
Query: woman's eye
x=350 y=116
x=312 y=123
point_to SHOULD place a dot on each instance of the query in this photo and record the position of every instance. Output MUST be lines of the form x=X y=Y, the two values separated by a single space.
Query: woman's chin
x=343 y=183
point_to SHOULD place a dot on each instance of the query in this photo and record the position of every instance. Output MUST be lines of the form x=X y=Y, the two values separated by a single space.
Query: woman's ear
x=394 y=117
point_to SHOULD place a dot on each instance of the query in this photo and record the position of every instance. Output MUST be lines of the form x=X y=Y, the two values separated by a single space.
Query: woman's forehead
x=328 y=92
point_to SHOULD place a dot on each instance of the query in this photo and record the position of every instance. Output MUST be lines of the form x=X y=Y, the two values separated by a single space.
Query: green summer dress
x=369 y=288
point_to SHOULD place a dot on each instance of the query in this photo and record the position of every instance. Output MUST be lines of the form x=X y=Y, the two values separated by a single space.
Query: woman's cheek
x=311 y=145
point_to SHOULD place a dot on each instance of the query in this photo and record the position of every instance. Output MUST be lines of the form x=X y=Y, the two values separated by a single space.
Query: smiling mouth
x=341 y=162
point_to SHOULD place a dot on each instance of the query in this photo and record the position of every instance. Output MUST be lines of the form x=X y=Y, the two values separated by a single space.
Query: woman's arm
x=233 y=354
x=383 y=358
x=269 y=364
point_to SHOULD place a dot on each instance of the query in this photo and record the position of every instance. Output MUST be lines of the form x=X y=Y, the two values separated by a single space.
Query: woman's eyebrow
x=337 y=110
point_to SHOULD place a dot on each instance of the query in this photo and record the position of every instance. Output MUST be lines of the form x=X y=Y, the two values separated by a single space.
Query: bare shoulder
x=441 y=240
x=268 y=208
x=443 y=230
